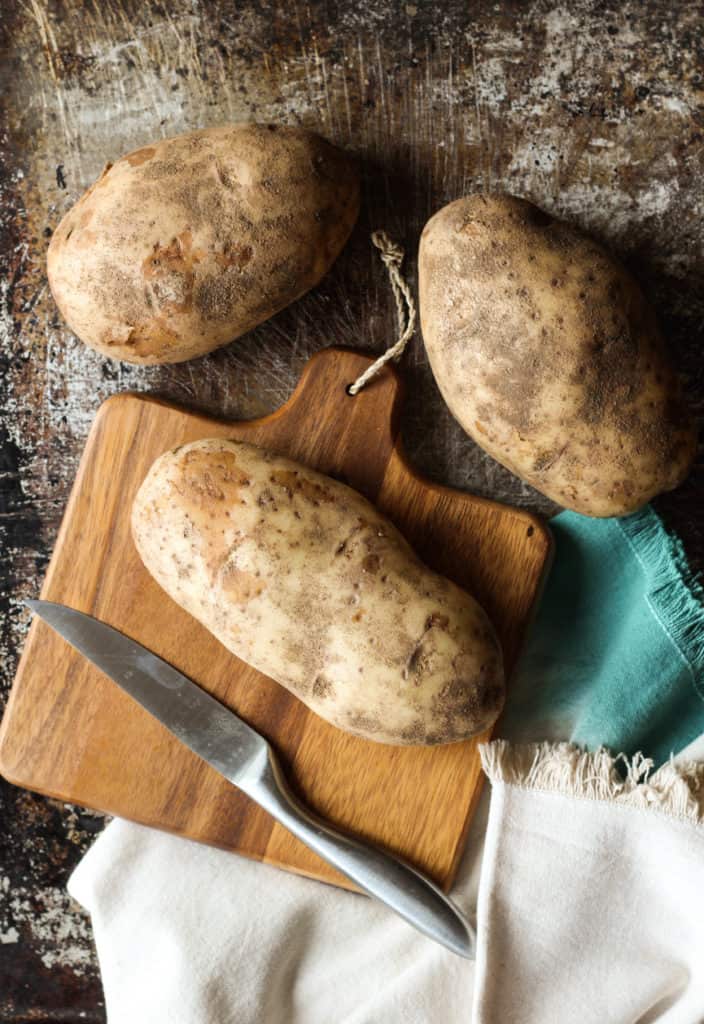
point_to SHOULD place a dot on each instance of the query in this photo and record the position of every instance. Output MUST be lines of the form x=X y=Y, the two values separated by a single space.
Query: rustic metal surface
x=593 y=110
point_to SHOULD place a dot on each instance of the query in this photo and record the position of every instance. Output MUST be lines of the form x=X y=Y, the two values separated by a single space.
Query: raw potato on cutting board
x=187 y=243
x=549 y=356
x=301 y=577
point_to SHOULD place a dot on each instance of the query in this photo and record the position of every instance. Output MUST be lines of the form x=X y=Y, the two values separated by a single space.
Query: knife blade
x=247 y=760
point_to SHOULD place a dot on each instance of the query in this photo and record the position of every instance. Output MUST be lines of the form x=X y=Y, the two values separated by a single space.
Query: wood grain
x=71 y=733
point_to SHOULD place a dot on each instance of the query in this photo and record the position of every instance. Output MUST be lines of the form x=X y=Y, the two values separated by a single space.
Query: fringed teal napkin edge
x=676 y=594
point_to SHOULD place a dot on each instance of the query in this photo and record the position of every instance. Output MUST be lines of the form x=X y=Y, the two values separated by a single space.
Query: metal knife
x=246 y=760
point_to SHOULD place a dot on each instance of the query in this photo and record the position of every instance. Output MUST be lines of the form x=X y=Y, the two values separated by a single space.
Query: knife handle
x=405 y=890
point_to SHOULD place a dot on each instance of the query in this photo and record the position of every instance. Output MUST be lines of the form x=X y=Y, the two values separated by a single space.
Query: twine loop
x=390 y=252
x=392 y=257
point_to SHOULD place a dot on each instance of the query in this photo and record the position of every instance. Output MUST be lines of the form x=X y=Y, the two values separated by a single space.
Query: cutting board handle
x=324 y=424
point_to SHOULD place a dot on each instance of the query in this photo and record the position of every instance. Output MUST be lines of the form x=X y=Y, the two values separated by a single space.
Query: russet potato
x=549 y=356
x=188 y=243
x=301 y=577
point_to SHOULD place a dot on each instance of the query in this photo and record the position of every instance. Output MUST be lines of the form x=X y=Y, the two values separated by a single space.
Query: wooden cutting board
x=71 y=733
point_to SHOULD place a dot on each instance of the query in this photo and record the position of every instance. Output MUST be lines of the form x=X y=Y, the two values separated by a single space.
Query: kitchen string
x=392 y=257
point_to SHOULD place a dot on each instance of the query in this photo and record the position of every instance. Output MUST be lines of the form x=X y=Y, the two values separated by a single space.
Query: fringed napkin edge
x=675 y=789
x=675 y=592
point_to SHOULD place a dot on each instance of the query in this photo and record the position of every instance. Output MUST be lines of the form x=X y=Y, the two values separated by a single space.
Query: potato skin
x=301 y=577
x=548 y=355
x=186 y=244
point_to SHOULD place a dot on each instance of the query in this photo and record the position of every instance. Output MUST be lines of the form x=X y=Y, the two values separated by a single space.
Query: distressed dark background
x=593 y=110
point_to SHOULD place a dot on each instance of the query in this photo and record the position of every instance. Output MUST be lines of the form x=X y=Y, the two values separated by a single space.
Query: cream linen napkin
x=187 y=934
x=591 y=903
x=590 y=909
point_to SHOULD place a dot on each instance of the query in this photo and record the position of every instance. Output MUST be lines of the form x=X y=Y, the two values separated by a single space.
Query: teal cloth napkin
x=616 y=654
